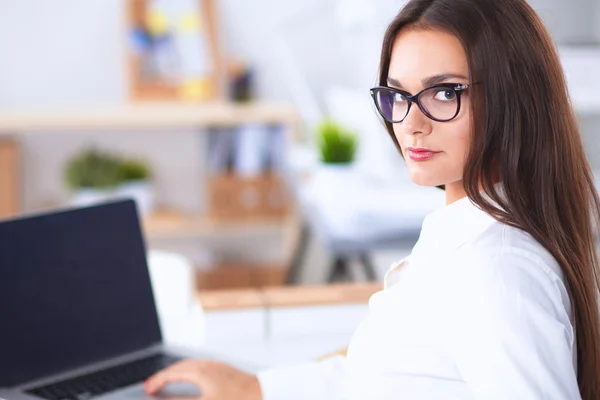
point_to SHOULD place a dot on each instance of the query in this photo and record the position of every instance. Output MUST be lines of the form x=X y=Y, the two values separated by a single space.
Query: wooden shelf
x=169 y=224
x=294 y=296
x=235 y=299
x=303 y=296
x=145 y=116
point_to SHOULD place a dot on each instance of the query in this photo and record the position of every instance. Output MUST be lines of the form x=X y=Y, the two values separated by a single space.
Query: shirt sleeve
x=316 y=381
x=511 y=335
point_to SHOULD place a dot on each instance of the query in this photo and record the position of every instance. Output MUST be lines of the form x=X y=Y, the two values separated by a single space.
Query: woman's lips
x=421 y=154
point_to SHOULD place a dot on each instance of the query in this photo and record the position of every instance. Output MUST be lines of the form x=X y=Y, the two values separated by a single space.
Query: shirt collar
x=453 y=225
x=447 y=228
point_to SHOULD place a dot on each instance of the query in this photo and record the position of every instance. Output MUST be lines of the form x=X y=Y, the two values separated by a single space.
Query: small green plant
x=93 y=169
x=103 y=170
x=337 y=144
x=135 y=170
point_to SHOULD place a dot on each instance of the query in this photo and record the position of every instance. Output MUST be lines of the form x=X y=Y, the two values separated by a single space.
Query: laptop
x=77 y=312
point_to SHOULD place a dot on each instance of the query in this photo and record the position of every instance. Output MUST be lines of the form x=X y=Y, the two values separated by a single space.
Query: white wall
x=60 y=52
x=590 y=126
x=569 y=21
x=596 y=13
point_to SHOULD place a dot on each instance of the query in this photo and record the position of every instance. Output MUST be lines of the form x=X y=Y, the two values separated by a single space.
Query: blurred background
x=243 y=129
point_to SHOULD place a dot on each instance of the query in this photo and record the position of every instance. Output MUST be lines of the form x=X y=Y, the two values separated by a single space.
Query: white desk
x=283 y=325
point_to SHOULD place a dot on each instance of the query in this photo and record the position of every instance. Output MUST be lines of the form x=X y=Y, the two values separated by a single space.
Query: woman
x=498 y=299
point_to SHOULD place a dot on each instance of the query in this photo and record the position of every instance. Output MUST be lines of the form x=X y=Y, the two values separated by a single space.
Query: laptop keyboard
x=104 y=381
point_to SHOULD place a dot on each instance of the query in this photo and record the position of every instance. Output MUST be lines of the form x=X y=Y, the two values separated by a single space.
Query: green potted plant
x=92 y=176
x=337 y=146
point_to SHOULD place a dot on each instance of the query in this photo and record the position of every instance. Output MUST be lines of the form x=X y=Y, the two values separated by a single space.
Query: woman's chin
x=426 y=180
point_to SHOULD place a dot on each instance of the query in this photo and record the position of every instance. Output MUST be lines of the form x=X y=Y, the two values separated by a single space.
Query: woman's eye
x=399 y=98
x=445 y=95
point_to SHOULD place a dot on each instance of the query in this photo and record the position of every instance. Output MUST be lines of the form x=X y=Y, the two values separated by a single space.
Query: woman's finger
x=180 y=372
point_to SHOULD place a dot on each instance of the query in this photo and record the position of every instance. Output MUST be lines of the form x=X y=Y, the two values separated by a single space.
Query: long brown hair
x=526 y=137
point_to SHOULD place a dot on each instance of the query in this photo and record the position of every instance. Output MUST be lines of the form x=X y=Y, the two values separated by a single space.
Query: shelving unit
x=184 y=95
x=148 y=117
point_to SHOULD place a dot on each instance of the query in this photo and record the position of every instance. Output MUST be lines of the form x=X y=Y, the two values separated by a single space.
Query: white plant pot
x=89 y=196
x=330 y=181
x=142 y=192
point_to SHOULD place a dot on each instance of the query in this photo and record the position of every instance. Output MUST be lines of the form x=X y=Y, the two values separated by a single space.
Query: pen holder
x=234 y=198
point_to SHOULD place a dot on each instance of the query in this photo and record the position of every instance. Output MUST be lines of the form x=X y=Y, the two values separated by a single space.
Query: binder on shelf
x=220 y=150
x=250 y=149
x=276 y=151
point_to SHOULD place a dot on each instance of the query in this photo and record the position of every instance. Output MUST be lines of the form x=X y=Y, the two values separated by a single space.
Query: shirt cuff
x=316 y=381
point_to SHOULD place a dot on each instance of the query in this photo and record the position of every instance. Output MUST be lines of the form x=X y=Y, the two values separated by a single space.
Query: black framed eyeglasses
x=439 y=102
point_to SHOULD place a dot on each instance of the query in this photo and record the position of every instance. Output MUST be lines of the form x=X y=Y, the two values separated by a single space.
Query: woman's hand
x=217 y=381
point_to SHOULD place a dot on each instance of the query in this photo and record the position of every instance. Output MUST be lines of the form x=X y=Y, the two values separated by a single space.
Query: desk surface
x=287 y=296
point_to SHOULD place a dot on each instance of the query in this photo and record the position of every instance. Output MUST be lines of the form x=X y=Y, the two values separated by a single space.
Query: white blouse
x=479 y=310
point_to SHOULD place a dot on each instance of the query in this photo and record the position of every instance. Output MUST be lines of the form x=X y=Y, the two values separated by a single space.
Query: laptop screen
x=74 y=289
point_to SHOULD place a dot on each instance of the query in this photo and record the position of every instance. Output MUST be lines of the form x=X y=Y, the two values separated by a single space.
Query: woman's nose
x=415 y=121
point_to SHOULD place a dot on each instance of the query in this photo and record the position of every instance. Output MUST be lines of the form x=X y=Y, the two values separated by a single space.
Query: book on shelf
x=9 y=183
x=247 y=151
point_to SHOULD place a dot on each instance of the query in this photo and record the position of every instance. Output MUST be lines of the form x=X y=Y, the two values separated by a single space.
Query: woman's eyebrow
x=430 y=80
x=435 y=79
